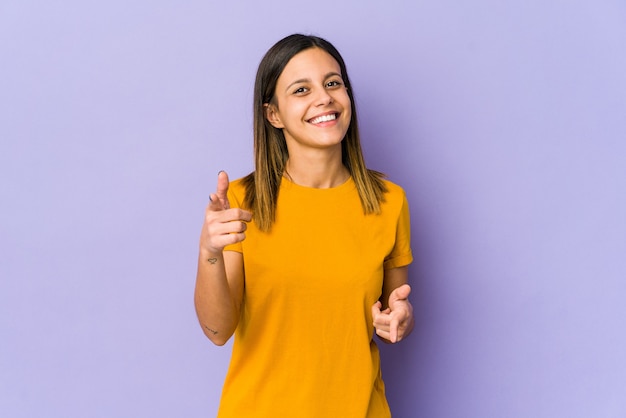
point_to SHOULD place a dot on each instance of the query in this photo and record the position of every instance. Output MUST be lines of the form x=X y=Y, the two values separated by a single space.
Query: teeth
x=324 y=118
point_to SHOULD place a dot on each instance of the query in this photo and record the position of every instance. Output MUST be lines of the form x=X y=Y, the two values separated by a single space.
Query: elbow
x=218 y=338
x=219 y=341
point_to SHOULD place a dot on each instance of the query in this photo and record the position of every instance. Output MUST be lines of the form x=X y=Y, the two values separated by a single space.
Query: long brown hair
x=270 y=148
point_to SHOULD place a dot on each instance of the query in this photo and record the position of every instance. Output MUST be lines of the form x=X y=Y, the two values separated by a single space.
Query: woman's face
x=311 y=103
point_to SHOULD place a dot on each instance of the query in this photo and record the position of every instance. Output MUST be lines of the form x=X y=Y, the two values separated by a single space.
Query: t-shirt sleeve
x=401 y=254
x=235 y=202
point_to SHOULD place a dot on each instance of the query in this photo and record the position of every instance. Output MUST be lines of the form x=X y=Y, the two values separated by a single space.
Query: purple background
x=504 y=121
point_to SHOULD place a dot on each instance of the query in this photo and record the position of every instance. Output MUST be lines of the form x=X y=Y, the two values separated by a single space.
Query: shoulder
x=394 y=200
x=394 y=191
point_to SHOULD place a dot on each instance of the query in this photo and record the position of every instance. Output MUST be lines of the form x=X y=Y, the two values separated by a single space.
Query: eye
x=300 y=90
x=334 y=83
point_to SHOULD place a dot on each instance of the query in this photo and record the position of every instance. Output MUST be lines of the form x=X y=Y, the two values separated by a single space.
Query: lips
x=323 y=118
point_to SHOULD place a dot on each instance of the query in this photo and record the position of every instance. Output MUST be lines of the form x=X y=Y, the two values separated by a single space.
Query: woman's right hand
x=222 y=225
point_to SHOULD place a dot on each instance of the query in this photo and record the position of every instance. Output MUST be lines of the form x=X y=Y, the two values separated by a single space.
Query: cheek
x=347 y=109
x=345 y=101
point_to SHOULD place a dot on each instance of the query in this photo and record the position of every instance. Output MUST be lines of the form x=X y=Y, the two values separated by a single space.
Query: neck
x=317 y=171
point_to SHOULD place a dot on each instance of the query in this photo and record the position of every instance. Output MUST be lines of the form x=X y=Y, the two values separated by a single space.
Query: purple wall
x=505 y=123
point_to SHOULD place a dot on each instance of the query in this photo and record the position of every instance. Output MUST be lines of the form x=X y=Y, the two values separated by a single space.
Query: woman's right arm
x=220 y=278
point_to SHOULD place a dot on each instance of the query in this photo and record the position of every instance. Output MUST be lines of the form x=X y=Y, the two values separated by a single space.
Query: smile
x=323 y=118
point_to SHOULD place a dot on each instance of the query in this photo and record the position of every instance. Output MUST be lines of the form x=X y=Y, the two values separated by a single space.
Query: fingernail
x=219 y=172
x=210 y=200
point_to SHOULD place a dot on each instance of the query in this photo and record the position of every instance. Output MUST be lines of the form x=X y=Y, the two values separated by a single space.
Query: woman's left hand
x=395 y=322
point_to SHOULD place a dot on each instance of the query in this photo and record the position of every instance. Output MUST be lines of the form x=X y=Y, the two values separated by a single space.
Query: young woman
x=304 y=258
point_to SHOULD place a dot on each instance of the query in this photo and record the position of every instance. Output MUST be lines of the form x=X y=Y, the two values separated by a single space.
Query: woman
x=306 y=256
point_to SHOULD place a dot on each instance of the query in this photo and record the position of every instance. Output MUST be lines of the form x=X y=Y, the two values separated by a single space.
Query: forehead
x=311 y=63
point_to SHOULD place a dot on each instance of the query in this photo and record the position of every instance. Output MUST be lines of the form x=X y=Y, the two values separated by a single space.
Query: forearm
x=217 y=299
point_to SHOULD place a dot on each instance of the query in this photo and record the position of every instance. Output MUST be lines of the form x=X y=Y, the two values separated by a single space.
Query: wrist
x=210 y=254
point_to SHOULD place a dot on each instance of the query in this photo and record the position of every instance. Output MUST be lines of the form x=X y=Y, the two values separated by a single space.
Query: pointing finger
x=393 y=330
x=219 y=199
x=222 y=189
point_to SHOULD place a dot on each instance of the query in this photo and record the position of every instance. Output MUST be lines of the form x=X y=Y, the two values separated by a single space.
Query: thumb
x=399 y=293
x=219 y=199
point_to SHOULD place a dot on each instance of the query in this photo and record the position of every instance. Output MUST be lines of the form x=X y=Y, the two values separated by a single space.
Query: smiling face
x=311 y=103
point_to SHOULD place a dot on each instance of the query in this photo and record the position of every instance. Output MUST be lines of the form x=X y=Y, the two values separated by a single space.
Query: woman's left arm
x=393 y=313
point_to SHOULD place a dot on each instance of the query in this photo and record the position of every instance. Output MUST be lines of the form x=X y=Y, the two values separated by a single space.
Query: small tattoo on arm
x=212 y=260
x=211 y=330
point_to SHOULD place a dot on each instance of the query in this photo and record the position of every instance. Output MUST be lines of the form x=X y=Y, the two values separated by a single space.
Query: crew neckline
x=349 y=181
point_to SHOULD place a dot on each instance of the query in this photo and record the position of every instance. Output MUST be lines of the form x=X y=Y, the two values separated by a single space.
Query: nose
x=324 y=98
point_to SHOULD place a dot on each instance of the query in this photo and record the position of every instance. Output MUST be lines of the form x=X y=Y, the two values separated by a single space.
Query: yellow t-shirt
x=303 y=346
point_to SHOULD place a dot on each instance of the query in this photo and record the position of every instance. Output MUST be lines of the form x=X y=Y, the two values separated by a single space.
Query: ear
x=271 y=113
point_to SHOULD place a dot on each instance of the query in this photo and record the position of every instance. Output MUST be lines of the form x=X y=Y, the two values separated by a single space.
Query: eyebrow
x=308 y=80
